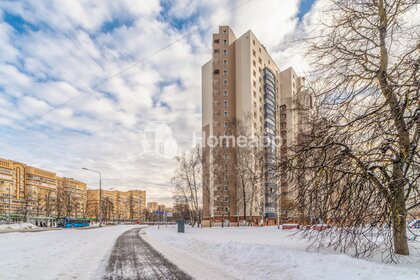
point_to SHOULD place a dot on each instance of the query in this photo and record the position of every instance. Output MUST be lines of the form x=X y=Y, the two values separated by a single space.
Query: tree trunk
x=399 y=219
x=244 y=197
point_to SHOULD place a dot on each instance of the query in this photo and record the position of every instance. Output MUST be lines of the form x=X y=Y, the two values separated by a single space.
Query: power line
x=95 y=87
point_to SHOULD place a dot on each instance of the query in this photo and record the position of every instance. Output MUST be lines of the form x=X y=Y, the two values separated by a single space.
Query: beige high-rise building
x=243 y=83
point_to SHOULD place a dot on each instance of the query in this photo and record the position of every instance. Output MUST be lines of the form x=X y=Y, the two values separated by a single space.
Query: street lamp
x=100 y=193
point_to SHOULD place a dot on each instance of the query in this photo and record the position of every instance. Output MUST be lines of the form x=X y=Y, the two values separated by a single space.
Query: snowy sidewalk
x=268 y=253
x=23 y=227
x=133 y=258
x=62 y=254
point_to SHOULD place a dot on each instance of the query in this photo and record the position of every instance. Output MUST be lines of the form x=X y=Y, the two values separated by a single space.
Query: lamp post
x=100 y=193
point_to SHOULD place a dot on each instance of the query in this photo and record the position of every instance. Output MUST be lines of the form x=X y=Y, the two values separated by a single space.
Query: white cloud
x=67 y=54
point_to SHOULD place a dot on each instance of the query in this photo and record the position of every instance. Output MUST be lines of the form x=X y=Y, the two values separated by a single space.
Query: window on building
x=225 y=52
x=225 y=62
x=225 y=114
x=225 y=82
x=254 y=73
x=259 y=49
x=225 y=31
x=254 y=53
x=225 y=93
x=225 y=124
x=225 y=103
x=226 y=188
x=254 y=63
x=216 y=41
x=225 y=72
x=253 y=42
x=225 y=42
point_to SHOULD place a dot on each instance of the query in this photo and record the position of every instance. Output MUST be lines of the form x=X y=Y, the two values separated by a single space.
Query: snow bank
x=62 y=254
x=269 y=253
x=17 y=227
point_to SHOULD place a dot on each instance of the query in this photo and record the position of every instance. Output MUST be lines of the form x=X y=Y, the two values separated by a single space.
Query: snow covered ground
x=60 y=254
x=18 y=227
x=265 y=253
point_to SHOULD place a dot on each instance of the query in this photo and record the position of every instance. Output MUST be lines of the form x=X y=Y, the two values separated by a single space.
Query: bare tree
x=50 y=202
x=224 y=176
x=361 y=155
x=188 y=185
x=59 y=207
x=249 y=167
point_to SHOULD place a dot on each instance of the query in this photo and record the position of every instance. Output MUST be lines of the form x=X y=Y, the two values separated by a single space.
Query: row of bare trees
x=236 y=173
x=53 y=203
x=356 y=164
x=360 y=151
x=188 y=184
x=237 y=169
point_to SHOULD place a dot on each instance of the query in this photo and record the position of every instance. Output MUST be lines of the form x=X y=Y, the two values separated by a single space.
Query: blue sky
x=56 y=112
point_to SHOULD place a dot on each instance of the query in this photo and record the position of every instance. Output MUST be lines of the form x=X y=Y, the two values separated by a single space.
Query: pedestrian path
x=133 y=258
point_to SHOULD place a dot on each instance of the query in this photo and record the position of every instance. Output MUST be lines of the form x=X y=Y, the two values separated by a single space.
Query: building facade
x=26 y=190
x=242 y=83
x=152 y=206
x=116 y=205
x=31 y=192
x=72 y=196
x=12 y=188
x=137 y=204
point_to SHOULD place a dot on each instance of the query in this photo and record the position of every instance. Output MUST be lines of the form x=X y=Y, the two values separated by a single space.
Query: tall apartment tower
x=243 y=81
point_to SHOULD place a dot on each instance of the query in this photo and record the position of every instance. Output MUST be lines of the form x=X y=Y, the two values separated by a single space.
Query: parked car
x=414 y=224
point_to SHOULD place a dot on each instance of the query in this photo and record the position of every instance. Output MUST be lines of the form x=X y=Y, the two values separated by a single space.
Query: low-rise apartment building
x=152 y=206
x=27 y=191
x=116 y=205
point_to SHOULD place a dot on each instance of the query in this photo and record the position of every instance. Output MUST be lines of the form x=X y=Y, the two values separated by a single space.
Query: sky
x=99 y=84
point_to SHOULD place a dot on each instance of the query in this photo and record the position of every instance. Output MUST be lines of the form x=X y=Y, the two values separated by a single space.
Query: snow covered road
x=62 y=254
x=134 y=258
